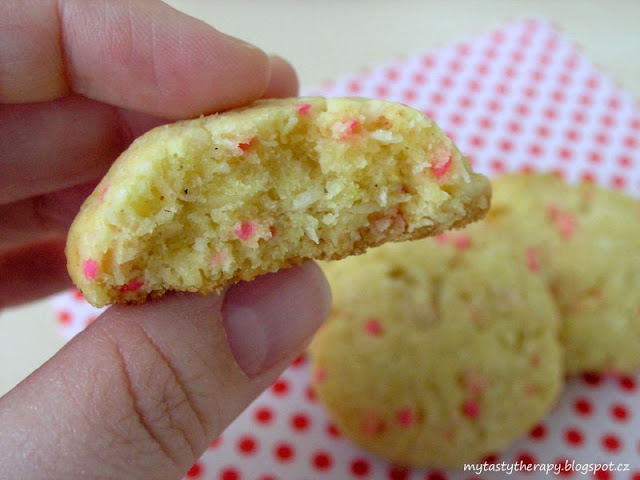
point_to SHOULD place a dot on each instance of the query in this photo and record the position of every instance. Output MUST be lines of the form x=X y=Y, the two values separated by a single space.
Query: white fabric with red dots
x=521 y=97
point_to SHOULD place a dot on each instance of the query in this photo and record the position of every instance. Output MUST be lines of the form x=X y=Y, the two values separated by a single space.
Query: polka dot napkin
x=521 y=97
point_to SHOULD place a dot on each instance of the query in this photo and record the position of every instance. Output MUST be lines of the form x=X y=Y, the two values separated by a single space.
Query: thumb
x=144 y=390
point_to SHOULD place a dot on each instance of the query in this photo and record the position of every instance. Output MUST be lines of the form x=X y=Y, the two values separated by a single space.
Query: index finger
x=141 y=55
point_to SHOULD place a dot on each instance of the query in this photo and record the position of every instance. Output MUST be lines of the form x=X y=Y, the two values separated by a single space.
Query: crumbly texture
x=584 y=240
x=437 y=352
x=199 y=204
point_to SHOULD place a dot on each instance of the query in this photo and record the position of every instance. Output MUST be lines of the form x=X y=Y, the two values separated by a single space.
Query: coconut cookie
x=198 y=204
x=437 y=352
x=584 y=240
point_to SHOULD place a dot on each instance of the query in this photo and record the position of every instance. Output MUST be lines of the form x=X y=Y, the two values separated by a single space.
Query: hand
x=144 y=390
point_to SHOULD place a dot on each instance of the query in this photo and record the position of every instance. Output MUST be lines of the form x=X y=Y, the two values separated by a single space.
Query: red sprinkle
x=535 y=360
x=474 y=383
x=272 y=231
x=533 y=259
x=532 y=389
x=218 y=259
x=320 y=375
x=304 y=108
x=351 y=126
x=566 y=224
x=244 y=146
x=345 y=129
x=371 y=425
x=462 y=242
x=373 y=327
x=405 y=417
x=471 y=409
x=553 y=210
x=442 y=168
x=133 y=285
x=90 y=269
x=245 y=231
x=103 y=192
x=441 y=239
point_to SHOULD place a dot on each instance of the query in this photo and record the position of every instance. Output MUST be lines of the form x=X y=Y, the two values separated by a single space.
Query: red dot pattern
x=284 y=452
x=360 y=468
x=247 y=445
x=519 y=98
x=195 y=471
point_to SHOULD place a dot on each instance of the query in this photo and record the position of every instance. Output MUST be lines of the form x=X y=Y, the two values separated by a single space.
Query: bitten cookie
x=437 y=352
x=199 y=204
x=584 y=240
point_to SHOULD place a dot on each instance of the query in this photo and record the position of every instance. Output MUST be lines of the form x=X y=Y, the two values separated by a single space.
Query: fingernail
x=272 y=317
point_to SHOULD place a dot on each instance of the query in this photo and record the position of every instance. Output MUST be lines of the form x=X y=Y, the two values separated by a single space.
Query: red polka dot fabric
x=519 y=98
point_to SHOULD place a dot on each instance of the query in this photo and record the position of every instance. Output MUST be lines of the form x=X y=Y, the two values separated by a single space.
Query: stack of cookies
x=442 y=351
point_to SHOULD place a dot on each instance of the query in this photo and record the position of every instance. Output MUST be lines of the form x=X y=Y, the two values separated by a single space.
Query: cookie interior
x=200 y=203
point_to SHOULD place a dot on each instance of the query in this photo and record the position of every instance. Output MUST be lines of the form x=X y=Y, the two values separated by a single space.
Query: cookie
x=437 y=352
x=584 y=240
x=199 y=204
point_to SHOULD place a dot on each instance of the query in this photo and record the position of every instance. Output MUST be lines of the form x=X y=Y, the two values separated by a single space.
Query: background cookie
x=198 y=204
x=437 y=352
x=585 y=241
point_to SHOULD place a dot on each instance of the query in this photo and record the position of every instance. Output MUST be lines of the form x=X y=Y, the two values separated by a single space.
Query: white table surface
x=323 y=39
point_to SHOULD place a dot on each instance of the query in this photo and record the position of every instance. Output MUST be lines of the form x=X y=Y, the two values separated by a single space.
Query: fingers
x=141 y=55
x=283 y=81
x=32 y=219
x=145 y=389
x=33 y=271
x=51 y=146
x=31 y=56
x=55 y=145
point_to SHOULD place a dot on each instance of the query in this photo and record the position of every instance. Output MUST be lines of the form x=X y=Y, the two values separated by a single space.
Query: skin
x=145 y=389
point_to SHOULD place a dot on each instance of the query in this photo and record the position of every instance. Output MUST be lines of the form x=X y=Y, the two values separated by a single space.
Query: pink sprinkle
x=320 y=375
x=371 y=425
x=471 y=409
x=566 y=224
x=441 y=239
x=133 y=286
x=304 y=108
x=450 y=434
x=245 y=231
x=247 y=145
x=535 y=360
x=405 y=417
x=373 y=327
x=103 y=192
x=442 y=168
x=218 y=258
x=532 y=389
x=398 y=220
x=90 y=269
x=351 y=125
x=533 y=259
x=552 y=211
x=345 y=129
x=462 y=242
x=474 y=382
x=476 y=315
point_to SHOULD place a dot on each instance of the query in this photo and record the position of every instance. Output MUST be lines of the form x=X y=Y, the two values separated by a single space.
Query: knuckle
x=158 y=416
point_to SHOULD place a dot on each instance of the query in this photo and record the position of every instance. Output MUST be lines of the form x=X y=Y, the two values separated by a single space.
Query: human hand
x=143 y=391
